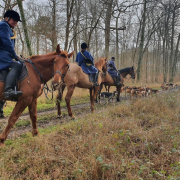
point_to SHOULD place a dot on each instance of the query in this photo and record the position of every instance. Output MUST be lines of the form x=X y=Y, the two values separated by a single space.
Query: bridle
x=42 y=80
x=62 y=75
x=132 y=75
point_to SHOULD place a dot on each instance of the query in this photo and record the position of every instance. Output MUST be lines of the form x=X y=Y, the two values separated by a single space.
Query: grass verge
x=136 y=139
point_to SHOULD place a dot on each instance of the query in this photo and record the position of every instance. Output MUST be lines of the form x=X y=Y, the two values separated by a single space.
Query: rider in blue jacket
x=90 y=68
x=113 y=71
x=7 y=53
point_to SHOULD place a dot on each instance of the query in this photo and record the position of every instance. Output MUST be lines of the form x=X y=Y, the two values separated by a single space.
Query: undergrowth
x=136 y=139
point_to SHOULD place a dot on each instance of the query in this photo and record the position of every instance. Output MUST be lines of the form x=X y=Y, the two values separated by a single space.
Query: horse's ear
x=70 y=54
x=58 y=51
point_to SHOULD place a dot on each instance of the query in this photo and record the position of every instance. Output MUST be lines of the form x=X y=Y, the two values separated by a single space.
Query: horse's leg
x=93 y=94
x=118 y=93
x=108 y=88
x=59 y=99
x=70 y=91
x=33 y=115
x=99 y=93
x=18 y=109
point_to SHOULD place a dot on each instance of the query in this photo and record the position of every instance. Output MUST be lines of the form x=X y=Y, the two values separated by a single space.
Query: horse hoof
x=2 y=144
x=118 y=100
x=35 y=132
x=59 y=117
x=73 y=117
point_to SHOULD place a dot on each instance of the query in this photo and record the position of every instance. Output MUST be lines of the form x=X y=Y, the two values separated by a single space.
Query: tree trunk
x=171 y=73
x=141 y=42
x=24 y=26
x=107 y=27
x=68 y=16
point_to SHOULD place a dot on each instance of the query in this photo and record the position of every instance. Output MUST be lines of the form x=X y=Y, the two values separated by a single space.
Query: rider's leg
x=96 y=75
x=118 y=79
x=11 y=79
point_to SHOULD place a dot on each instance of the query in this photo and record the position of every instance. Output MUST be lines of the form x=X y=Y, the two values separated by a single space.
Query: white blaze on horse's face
x=61 y=65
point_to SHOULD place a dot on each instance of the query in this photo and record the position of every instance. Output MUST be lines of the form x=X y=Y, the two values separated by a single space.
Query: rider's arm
x=90 y=57
x=114 y=66
x=6 y=39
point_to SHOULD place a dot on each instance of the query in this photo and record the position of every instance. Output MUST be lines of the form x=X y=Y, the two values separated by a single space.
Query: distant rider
x=113 y=71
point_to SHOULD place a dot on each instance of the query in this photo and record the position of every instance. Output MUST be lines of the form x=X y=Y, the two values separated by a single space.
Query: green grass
x=136 y=139
x=46 y=104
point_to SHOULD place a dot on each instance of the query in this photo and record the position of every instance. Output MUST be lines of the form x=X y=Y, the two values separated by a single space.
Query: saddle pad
x=22 y=76
x=91 y=77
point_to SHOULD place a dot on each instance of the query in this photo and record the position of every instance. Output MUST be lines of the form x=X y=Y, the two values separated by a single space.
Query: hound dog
x=108 y=95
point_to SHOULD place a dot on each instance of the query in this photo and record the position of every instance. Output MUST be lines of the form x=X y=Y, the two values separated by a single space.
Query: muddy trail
x=79 y=111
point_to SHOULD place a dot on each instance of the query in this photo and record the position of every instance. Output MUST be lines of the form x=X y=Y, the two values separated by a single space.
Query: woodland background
x=140 y=33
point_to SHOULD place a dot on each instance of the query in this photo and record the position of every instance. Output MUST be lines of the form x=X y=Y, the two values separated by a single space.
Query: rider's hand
x=18 y=59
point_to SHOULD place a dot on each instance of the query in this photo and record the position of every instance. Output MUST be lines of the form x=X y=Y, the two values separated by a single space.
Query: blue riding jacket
x=7 y=52
x=86 y=69
x=112 y=70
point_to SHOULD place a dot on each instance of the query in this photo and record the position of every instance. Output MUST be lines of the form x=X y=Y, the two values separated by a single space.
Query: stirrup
x=11 y=94
x=96 y=84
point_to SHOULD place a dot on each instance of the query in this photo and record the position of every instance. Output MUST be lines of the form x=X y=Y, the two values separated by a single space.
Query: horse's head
x=132 y=73
x=104 y=68
x=61 y=66
x=101 y=65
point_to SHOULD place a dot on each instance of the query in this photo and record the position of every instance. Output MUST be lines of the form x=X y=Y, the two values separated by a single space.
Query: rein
x=62 y=75
x=45 y=87
x=126 y=75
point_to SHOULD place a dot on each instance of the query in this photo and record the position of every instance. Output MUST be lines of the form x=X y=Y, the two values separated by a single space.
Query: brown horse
x=107 y=80
x=75 y=77
x=32 y=88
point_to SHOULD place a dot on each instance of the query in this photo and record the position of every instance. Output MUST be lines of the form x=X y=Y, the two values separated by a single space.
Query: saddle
x=93 y=78
x=22 y=76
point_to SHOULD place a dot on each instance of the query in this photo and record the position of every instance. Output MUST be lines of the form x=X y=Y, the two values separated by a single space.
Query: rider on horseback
x=113 y=71
x=86 y=61
x=7 y=53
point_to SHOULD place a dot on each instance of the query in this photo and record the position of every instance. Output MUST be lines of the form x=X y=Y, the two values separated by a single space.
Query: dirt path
x=79 y=110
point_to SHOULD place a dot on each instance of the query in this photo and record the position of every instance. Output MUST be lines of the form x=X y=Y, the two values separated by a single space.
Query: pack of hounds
x=137 y=91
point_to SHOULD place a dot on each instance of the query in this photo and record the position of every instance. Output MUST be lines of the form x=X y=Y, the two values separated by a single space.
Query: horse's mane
x=124 y=70
x=100 y=62
x=62 y=53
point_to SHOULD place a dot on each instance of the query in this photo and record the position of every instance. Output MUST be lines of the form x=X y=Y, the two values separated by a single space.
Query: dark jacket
x=112 y=69
x=80 y=60
x=7 y=52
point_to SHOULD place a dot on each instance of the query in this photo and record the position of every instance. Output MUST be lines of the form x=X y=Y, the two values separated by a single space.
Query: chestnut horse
x=75 y=77
x=107 y=80
x=32 y=88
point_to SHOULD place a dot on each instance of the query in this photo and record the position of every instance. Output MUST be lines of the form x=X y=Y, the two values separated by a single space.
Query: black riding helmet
x=84 y=46
x=12 y=14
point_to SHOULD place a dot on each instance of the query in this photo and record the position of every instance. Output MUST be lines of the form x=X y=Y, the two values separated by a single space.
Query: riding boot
x=1 y=109
x=96 y=75
x=118 y=79
x=9 y=92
